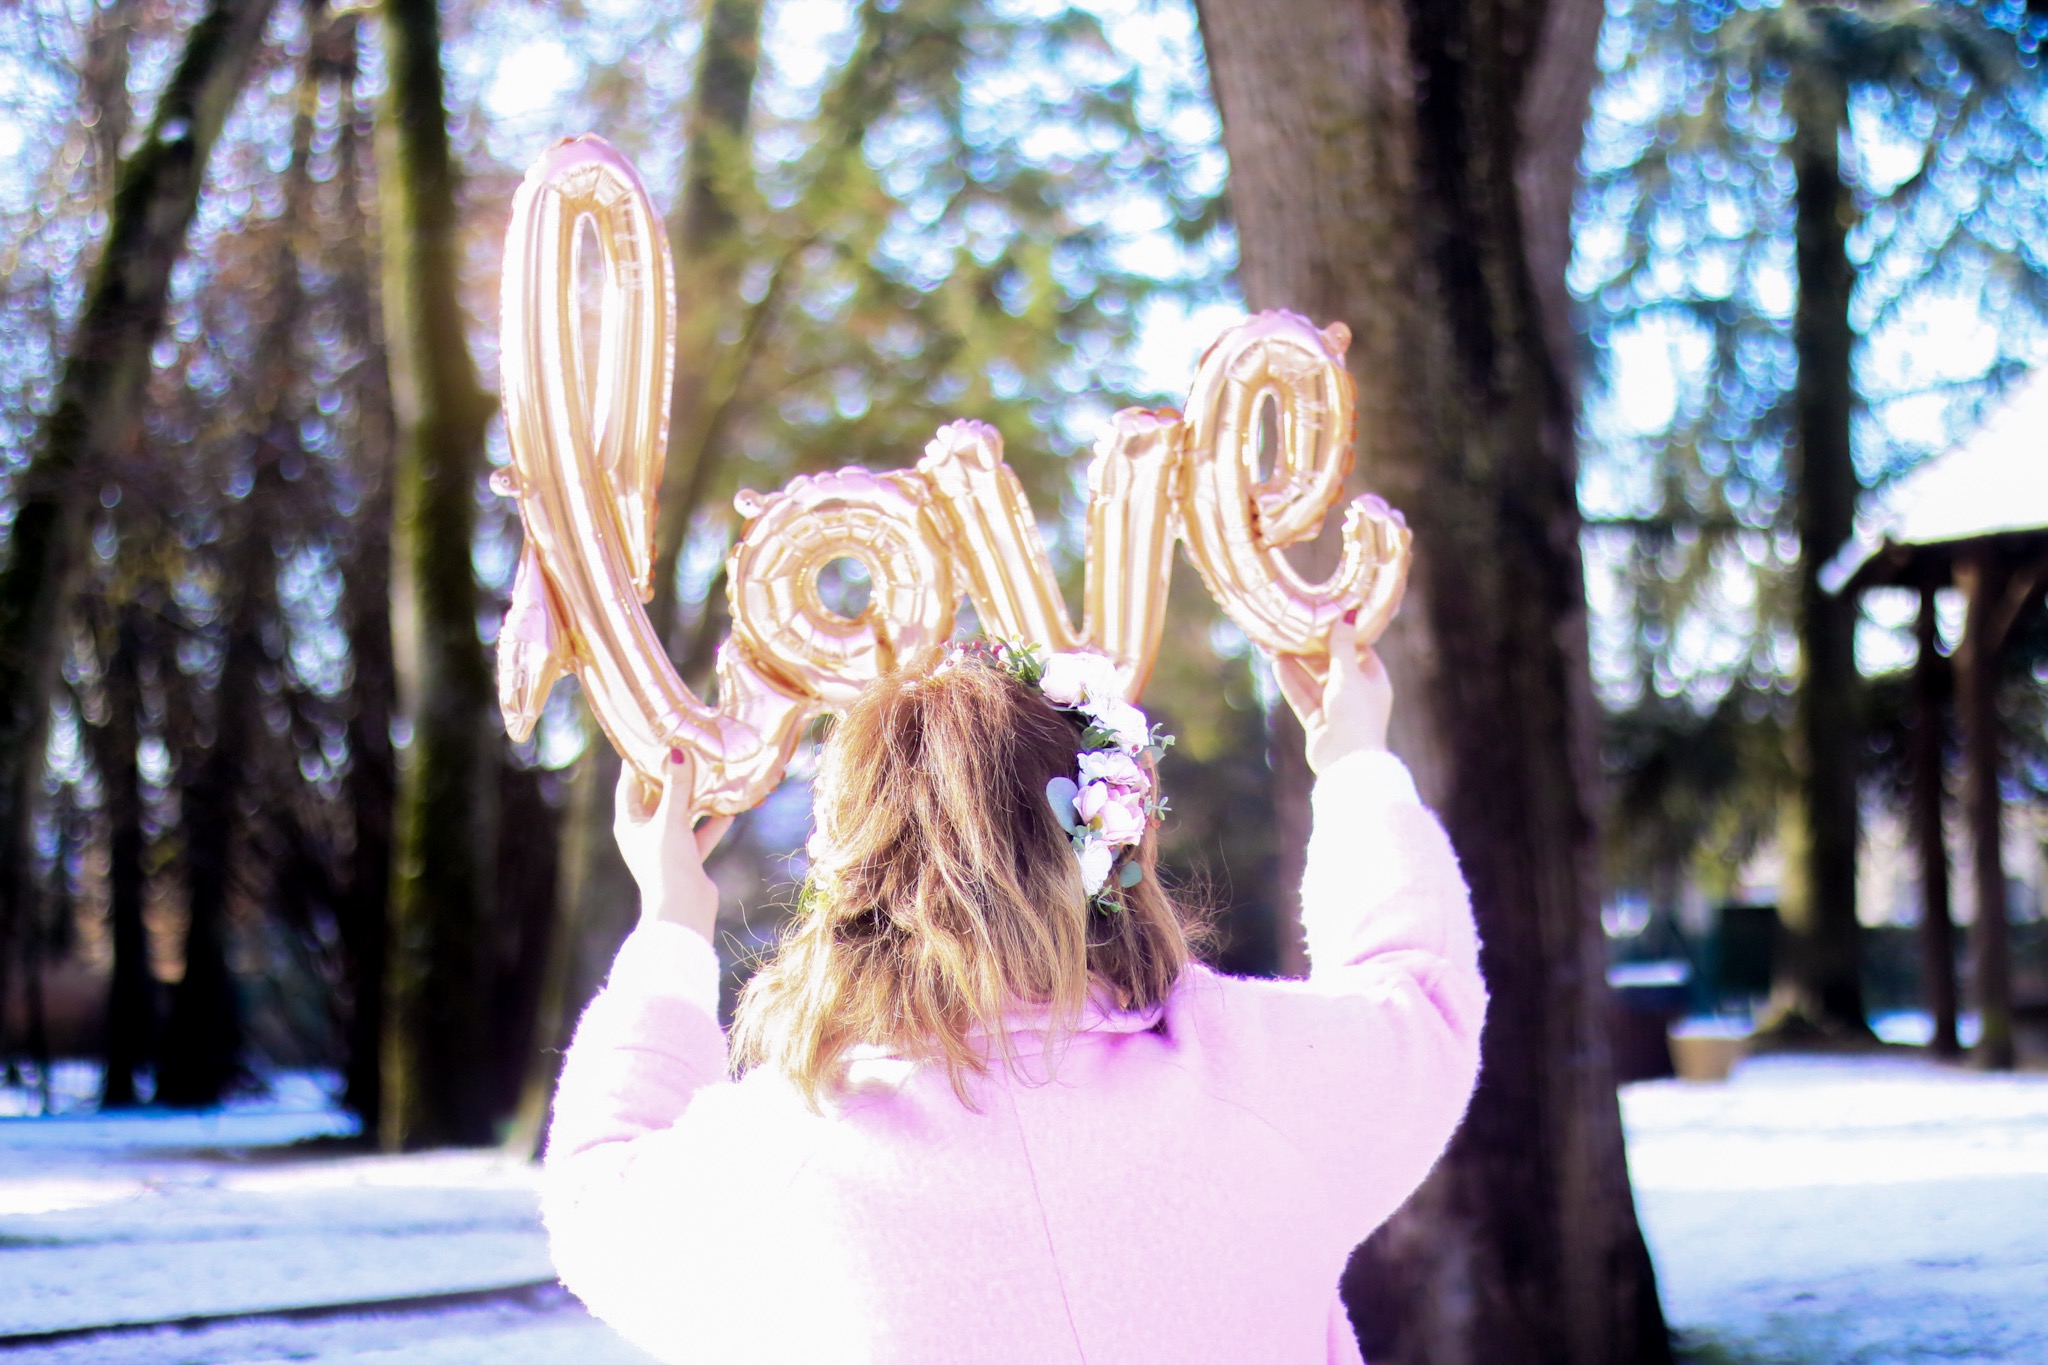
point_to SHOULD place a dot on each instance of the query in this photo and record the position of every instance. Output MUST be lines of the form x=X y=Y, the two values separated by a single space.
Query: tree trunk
x=707 y=254
x=437 y=1075
x=1287 y=754
x=529 y=878
x=203 y=1036
x=596 y=905
x=103 y=80
x=202 y=1041
x=99 y=400
x=1937 y=927
x=118 y=641
x=1406 y=168
x=372 y=781
x=1819 y=986
x=35 y=1006
x=1982 y=578
x=131 y=989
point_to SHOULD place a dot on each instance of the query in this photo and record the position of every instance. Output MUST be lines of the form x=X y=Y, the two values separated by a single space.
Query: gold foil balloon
x=879 y=520
x=588 y=440
x=983 y=514
x=1237 y=524
x=1131 y=528
x=585 y=458
x=985 y=519
x=587 y=446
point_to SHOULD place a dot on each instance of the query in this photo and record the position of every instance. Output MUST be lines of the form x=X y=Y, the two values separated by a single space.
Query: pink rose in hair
x=1091 y=800
x=1121 y=820
x=1115 y=767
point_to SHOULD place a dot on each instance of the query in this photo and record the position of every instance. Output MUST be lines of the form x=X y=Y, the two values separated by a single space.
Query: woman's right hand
x=1346 y=711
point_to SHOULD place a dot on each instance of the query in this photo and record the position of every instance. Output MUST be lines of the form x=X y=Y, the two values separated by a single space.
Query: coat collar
x=1030 y=1029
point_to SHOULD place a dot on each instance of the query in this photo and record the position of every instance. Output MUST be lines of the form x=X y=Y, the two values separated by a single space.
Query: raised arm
x=1380 y=879
x=634 y=1197
x=1384 y=1035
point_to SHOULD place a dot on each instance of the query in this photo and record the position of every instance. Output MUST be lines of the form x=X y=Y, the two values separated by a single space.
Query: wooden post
x=1937 y=928
x=1981 y=577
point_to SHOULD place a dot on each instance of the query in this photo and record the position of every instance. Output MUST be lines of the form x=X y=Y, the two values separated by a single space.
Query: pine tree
x=1722 y=215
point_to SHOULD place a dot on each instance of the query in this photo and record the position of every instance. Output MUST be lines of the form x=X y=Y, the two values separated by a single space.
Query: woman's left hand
x=664 y=854
x=1347 y=709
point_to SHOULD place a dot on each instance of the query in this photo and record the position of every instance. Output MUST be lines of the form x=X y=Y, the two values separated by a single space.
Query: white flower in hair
x=1133 y=732
x=1080 y=681
x=1109 y=809
x=1096 y=860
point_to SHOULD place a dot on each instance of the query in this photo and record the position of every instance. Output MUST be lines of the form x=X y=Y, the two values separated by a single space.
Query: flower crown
x=1107 y=812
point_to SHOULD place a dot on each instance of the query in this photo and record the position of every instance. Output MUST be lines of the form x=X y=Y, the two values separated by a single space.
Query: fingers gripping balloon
x=588 y=440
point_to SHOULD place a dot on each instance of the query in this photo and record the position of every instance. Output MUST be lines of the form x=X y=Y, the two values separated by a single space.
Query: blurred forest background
x=256 y=806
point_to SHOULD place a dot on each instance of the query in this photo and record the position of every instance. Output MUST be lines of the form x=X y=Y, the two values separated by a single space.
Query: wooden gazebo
x=1975 y=520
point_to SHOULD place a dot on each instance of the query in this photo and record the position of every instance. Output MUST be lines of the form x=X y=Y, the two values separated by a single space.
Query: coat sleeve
x=637 y=1189
x=1366 y=1067
x=1394 y=962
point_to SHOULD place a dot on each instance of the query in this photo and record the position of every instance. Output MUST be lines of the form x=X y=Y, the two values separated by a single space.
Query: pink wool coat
x=1177 y=1186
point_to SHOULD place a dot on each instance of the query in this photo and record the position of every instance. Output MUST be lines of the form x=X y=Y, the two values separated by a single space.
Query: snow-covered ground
x=538 y=1327
x=1840 y=1211
x=115 y=1223
x=1847 y=1211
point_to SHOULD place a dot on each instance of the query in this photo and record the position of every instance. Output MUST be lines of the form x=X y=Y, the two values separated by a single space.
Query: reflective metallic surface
x=588 y=439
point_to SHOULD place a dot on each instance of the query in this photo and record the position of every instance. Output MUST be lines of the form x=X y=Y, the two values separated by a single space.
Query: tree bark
x=117 y=633
x=438 y=1082
x=1404 y=166
x=131 y=988
x=596 y=905
x=707 y=254
x=99 y=400
x=35 y=1006
x=203 y=1036
x=372 y=781
x=1937 y=926
x=1819 y=986
x=202 y=1039
x=529 y=877
x=1287 y=754
x=104 y=81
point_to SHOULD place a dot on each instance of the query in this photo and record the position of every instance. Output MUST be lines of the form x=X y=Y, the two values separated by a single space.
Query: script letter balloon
x=1131 y=529
x=589 y=438
x=586 y=464
x=985 y=519
x=778 y=616
x=1236 y=524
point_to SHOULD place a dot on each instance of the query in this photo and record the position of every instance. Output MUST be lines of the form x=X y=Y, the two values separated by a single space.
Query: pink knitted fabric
x=1184 y=1186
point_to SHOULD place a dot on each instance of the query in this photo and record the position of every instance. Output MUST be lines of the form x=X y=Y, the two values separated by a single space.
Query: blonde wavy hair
x=943 y=892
